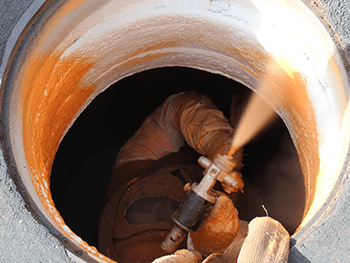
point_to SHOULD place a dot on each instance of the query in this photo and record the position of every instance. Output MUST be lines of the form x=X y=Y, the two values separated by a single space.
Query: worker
x=148 y=182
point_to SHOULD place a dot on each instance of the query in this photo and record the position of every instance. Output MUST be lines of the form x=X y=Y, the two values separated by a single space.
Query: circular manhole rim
x=13 y=136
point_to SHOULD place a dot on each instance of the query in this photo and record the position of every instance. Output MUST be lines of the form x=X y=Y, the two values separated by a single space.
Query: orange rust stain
x=142 y=56
x=51 y=98
x=292 y=87
x=285 y=87
x=135 y=61
x=250 y=56
x=231 y=51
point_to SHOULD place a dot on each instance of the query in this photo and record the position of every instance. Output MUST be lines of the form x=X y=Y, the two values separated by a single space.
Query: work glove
x=218 y=229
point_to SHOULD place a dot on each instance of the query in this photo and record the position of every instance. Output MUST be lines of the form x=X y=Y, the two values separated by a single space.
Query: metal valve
x=200 y=198
x=221 y=169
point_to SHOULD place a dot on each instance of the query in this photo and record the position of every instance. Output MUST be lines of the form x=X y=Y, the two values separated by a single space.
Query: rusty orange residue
x=51 y=97
x=250 y=57
x=139 y=60
x=297 y=105
x=285 y=88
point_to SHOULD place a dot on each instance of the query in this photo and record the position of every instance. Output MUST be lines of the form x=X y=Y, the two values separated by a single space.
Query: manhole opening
x=85 y=159
x=46 y=64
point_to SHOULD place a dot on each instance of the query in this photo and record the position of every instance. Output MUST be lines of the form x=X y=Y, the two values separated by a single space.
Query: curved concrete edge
x=19 y=15
x=328 y=239
x=22 y=238
x=328 y=242
x=335 y=16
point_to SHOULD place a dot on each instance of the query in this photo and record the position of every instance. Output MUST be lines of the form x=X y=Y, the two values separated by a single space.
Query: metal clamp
x=221 y=169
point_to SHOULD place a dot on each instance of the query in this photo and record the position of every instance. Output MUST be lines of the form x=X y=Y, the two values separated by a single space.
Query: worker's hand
x=220 y=142
x=218 y=229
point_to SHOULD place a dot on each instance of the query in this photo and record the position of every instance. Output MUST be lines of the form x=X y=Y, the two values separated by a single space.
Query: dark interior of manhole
x=85 y=159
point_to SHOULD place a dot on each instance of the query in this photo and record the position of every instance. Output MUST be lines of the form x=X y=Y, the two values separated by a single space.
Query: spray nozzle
x=199 y=200
x=222 y=169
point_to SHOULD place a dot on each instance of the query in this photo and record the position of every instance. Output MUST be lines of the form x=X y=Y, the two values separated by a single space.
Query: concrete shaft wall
x=23 y=230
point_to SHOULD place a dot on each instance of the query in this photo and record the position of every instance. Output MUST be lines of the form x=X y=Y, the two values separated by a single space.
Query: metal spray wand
x=200 y=198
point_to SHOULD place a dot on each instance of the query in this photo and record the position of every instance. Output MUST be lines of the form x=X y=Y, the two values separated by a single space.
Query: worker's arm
x=188 y=116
